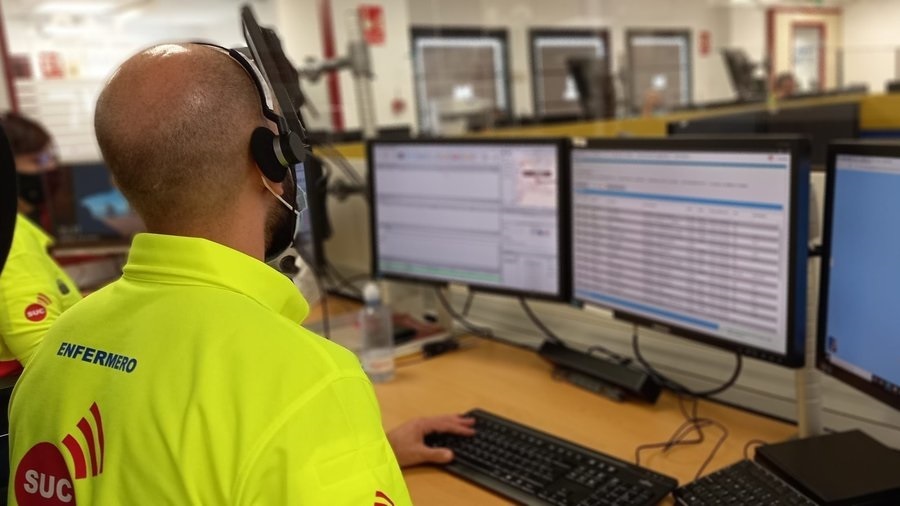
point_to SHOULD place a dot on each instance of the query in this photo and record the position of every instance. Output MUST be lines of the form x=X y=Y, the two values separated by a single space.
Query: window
x=460 y=72
x=553 y=90
x=659 y=61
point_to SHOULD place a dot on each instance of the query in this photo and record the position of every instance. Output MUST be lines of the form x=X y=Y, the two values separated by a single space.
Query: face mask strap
x=279 y=197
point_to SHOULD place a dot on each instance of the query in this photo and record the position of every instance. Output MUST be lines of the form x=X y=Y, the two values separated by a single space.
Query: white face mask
x=283 y=237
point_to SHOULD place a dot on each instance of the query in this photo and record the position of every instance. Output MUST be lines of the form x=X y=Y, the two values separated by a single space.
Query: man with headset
x=190 y=380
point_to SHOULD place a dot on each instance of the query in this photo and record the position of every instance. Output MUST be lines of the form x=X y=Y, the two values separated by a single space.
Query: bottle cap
x=371 y=294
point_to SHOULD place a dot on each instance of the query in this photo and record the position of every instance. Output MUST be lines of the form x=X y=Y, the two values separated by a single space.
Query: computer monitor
x=822 y=123
x=87 y=210
x=858 y=339
x=742 y=123
x=702 y=238
x=490 y=214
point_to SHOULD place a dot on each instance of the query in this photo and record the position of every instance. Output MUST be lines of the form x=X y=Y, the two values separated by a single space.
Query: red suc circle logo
x=35 y=312
x=42 y=478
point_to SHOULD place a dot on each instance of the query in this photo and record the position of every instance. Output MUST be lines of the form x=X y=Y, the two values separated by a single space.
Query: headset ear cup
x=262 y=146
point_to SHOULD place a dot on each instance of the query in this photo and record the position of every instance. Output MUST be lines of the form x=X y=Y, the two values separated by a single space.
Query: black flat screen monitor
x=742 y=123
x=702 y=238
x=87 y=210
x=490 y=214
x=859 y=324
x=821 y=123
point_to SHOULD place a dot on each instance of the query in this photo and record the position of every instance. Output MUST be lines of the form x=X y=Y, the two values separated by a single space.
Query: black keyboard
x=745 y=483
x=532 y=467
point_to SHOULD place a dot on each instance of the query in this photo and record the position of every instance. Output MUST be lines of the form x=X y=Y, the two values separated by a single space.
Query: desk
x=516 y=383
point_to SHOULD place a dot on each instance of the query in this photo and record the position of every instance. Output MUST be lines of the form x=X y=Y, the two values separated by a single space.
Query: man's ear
x=277 y=188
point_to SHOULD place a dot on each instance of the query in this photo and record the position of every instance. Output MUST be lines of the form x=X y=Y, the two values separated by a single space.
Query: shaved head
x=174 y=125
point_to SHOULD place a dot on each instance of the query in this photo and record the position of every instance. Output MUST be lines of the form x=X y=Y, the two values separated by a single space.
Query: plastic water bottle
x=377 y=336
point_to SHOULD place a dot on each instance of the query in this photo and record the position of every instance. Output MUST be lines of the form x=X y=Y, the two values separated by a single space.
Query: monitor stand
x=808 y=379
x=837 y=469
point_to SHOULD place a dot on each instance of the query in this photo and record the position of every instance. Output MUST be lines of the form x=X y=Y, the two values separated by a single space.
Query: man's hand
x=408 y=440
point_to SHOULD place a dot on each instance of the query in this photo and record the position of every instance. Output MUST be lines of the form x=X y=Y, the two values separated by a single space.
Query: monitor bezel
x=563 y=219
x=794 y=355
x=858 y=148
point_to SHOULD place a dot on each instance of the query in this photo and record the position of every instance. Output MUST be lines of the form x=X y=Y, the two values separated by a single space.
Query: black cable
x=552 y=336
x=674 y=385
x=715 y=449
x=468 y=305
x=344 y=281
x=693 y=423
x=471 y=327
x=483 y=332
x=752 y=442
x=538 y=323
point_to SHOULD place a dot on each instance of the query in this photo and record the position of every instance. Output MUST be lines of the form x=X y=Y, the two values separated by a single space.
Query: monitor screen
x=858 y=320
x=86 y=207
x=694 y=237
x=483 y=213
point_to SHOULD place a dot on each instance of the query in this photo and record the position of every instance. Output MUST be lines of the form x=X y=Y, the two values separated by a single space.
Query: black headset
x=276 y=154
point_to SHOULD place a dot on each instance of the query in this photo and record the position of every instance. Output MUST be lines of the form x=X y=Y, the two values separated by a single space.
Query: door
x=808 y=51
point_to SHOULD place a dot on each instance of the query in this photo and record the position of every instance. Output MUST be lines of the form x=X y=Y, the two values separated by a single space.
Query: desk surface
x=515 y=383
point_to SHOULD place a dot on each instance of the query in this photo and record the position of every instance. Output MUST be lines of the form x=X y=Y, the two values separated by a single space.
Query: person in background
x=785 y=85
x=34 y=290
x=191 y=377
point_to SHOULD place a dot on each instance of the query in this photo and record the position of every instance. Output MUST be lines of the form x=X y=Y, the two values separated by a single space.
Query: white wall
x=298 y=23
x=871 y=39
x=748 y=30
x=390 y=63
x=710 y=81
